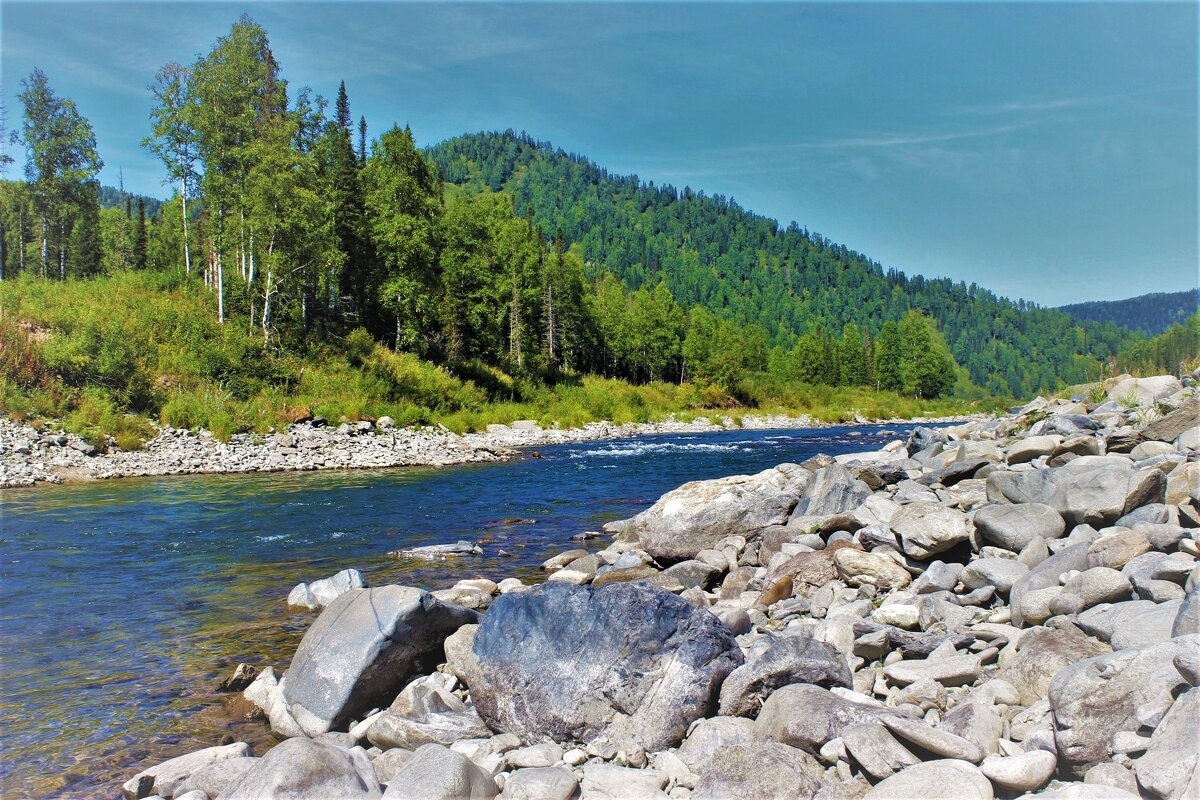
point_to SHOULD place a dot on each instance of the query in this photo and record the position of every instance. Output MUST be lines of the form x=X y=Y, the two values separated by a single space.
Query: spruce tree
x=362 y=141
x=139 y=236
x=888 y=375
x=85 y=250
x=342 y=108
x=852 y=361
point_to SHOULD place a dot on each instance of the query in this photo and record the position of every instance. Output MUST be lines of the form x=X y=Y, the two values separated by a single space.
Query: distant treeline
x=747 y=268
x=1148 y=313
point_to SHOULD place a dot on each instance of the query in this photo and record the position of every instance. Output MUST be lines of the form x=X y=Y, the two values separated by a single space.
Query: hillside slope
x=711 y=252
x=1150 y=314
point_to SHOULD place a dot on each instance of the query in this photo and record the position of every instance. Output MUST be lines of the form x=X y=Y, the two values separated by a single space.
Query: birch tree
x=174 y=139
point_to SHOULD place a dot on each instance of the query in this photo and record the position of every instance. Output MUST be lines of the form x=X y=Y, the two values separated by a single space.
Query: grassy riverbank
x=105 y=355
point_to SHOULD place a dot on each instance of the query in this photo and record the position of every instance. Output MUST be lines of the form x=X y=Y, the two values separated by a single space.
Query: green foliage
x=889 y=354
x=926 y=364
x=1175 y=351
x=403 y=207
x=710 y=252
x=291 y=274
x=1150 y=314
x=359 y=346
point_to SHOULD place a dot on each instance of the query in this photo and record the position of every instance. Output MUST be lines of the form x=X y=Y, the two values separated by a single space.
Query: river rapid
x=123 y=603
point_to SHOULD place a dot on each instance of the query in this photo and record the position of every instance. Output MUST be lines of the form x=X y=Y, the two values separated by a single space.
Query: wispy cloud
x=884 y=140
x=1033 y=106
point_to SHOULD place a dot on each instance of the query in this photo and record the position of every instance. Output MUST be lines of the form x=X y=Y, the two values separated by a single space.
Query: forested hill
x=112 y=197
x=711 y=252
x=1150 y=314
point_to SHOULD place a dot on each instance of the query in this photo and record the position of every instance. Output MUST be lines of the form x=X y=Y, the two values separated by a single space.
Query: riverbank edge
x=30 y=457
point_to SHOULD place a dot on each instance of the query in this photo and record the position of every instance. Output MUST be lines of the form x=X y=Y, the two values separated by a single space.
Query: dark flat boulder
x=628 y=665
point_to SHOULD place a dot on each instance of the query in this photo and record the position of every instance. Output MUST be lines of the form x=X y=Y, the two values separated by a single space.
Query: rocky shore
x=1005 y=608
x=49 y=455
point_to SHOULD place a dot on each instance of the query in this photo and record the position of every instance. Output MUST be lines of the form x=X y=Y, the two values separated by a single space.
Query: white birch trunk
x=266 y=315
x=187 y=256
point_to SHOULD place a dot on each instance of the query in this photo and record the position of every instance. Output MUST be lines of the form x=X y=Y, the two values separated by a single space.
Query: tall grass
x=106 y=354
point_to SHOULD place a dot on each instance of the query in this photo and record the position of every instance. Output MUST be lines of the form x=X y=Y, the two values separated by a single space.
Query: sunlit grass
x=106 y=355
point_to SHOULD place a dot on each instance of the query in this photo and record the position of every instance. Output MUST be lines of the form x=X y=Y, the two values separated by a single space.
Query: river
x=122 y=603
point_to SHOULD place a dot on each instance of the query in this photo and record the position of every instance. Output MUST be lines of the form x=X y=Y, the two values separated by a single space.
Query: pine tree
x=362 y=141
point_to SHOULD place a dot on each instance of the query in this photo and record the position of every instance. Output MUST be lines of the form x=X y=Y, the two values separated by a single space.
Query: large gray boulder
x=1144 y=391
x=1092 y=494
x=834 y=490
x=623 y=666
x=698 y=515
x=438 y=773
x=362 y=649
x=711 y=736
x=1014 y=526
x=792 y=659
x=319 y=594
x=1046 y=576
x=541 y=783
x=303 y=768
x=760 y=769
x=1095 y=698
x=927 y=528
x=1170 y=769
x=1043 y=652
x=216 y=778
x=1187 y=619
x=1150 y=626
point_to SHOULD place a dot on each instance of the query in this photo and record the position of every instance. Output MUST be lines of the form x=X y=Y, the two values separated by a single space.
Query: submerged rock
x=318 y=594
x=163 y=779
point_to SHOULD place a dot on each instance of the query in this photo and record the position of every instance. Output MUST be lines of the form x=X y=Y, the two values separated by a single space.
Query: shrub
x=359 y=346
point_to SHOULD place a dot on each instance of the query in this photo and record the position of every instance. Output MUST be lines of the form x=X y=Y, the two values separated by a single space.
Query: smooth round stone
x=945 y=779
x=1021 y=773
x=901 y=615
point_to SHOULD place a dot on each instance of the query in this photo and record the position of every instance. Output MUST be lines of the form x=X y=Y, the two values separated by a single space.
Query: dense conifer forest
x=1150 y=314
x=305 y=261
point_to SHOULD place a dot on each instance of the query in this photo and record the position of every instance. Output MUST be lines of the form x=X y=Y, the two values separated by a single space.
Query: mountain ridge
x=1150 y=314
x=710 y=251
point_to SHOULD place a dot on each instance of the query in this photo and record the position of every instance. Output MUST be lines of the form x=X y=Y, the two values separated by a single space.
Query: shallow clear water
x=123 y=603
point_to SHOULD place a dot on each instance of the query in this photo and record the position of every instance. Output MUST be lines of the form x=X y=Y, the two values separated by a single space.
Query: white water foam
x=627 y=449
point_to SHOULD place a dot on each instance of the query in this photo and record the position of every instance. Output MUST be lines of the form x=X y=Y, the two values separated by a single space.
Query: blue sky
x=1046 y=151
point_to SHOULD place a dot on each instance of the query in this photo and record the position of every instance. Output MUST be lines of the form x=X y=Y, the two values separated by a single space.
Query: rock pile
x=1008 y=608
x=31 y=455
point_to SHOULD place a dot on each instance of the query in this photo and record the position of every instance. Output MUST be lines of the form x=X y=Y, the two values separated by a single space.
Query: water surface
x=122 y=603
